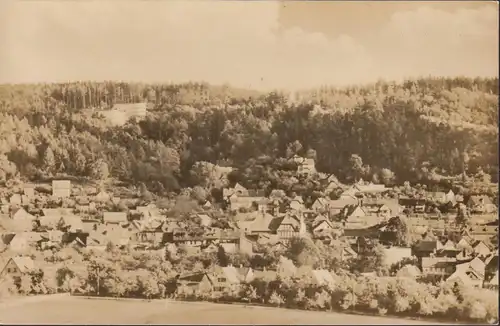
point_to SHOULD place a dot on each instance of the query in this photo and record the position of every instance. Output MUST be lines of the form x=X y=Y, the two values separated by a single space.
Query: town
x=247 y=233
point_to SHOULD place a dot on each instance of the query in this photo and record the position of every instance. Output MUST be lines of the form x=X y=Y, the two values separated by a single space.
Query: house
x=22 y=241
x=492 y=282
x=437 y=266
x=207 y=205
x=409 y=271
x=71 y=223
x=137 y=110
x=246 y=274
x=114 y=217
x=96 y=242
x=18 y=266
x=321 y=204
x=465 y=244
x=426 y=248
x=289 y=226
x=20 y=214
x=61 y=188
x=348 y=253
x=354 y=216
x=206 y=220
x=286 y=267
x=437 y=196
x=481 y=249
x=196 y=282
x=450 y=198
x=102 y=197
x=321 y=224
x=225 y=279
x=481 y=204
x=468 y=277
x=336 y=206
x=244 y=199
x=52 y=217
x=149 y=211
x=304 y=165
x=415 y=205
x=256 y=222
x=238 y=190
x=297 y=204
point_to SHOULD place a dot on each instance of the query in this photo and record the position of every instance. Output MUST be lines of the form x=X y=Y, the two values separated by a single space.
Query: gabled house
x=450 y=198
x=481 y=249
x=102 y=197
x=195 y=282
x=336 y=206
x=289 y=226
x=304 y=165
x=321 y=204
x=71 y=223
x=416 y=205
x=20 y=214
x=468 y=276
x=426 y=248
x=354 y=217
x=206 y=220
x=52 y=217
x=286 y=267
x=24 y=240
x=225 y=279
x=61 y=188
x=492 y=282
x=481 y=204
x=240 y=197
x=321 y=224
x=297 y=203
x=246 y=274
x=17 y=266
x=256 y=222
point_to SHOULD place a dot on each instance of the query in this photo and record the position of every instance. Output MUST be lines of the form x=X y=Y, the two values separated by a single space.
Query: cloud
x=240 y=43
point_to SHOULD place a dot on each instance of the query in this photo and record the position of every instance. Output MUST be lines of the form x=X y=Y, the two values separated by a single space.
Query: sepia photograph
x=249 y=162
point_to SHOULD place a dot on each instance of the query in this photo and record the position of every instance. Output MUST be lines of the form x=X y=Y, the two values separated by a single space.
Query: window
x=221 y=279
x=219 y=288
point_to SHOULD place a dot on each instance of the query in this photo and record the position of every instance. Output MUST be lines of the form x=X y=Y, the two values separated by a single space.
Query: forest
x=427 y=131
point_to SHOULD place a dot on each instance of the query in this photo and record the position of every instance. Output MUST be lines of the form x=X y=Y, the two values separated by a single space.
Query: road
x=71 y=310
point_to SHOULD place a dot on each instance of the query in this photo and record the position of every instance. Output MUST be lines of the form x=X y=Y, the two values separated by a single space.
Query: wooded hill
x=425 y=130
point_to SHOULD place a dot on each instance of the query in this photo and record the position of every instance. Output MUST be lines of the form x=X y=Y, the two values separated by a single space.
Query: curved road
x=66 y=310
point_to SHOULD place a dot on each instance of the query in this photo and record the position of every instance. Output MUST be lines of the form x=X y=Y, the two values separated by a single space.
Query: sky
x=257 y=44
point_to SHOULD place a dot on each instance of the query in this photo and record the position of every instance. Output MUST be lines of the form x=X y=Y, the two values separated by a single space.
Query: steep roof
x=479 y=200
x=24 y=264
x=231 y=274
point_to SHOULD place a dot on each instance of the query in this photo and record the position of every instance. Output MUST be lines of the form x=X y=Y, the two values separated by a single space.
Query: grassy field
x=66 y=310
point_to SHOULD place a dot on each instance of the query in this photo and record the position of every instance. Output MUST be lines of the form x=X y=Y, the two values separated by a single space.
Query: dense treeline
x=423 y=130
x=147 y=275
